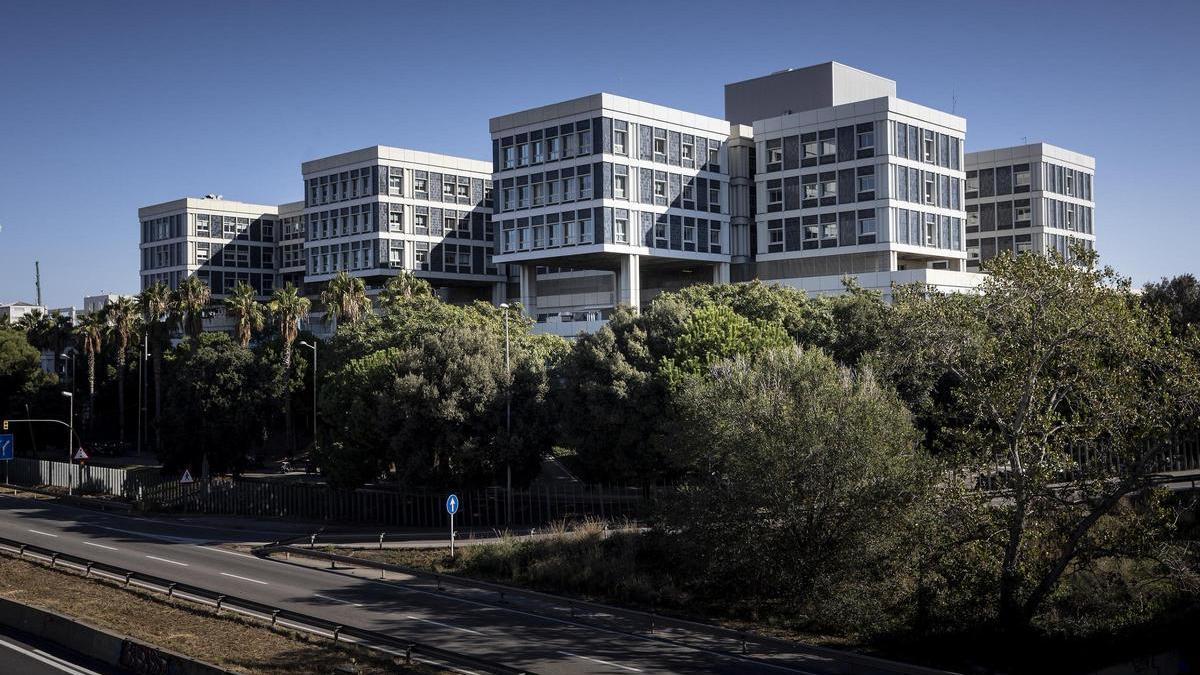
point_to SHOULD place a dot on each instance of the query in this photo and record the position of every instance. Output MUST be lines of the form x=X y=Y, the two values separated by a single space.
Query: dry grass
x=226 y=640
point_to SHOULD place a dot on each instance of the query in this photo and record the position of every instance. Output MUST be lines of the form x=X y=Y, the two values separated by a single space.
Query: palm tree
x=123 y=323
x=243 y=305
x=158 y=314
x=91 y=332
x=191 y=299
x=31 y=322
x=287 y=306
x=403 y=288
x=345 y=299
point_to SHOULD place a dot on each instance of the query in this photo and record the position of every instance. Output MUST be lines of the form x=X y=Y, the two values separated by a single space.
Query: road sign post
x=6 y=451
x=452 y=508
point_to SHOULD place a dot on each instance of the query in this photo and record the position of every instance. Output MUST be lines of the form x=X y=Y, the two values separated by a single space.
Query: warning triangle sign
x=80 y=454
x=187 y=477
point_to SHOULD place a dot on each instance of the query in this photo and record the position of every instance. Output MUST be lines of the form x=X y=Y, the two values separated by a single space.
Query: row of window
x=166 y=227
x=291 y=255
x=233 y=255
x=233 y=227
x=1000 y=180
x=164 y=255
x=615 y=136
x=620 y=226
x=566 y=228
x=985 y=248
x=925 y=145
x=827 y=188
x=927 y=187
x=618 y=181
x=368 y=181
x=827 y=146
x=1019 y=213
x=222 y=282
x=361 y=255
x=291 y=227
x=541 y=189
x=826 y=230
x=917 y=228
x=361 y=218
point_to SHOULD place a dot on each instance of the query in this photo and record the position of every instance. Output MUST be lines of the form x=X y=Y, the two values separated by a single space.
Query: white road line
x=607 y=663
x=225 y=550
x=92 y=543
x=148 y=535
x=173 y=562
x=234 y=576
x=44 y=534
x=49 y=659
x=344 y=602
x=444 y=625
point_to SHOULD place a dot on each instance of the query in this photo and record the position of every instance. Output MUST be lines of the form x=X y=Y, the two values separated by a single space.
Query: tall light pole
x=314 y=410
x=70 y=438
x=507 y=423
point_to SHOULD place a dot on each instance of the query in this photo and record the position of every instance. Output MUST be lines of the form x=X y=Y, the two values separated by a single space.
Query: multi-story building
x=218 y=240
x=374 y=212
x=1034 y=197
x=852 y=181
x=291 y=258
x=604 y=200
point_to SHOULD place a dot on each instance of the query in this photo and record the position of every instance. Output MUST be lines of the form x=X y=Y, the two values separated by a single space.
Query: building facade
x=218 y=240
x=374 y=212
x=604 y=201
x=871 y=188
x=1034 y=197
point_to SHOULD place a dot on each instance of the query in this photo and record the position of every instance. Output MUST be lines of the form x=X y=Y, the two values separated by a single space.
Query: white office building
x=852 y=181
x=605 y=201
x=374 y=212
x=1034 y=197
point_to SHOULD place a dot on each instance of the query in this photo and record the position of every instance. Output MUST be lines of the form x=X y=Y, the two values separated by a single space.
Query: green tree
x=217 y=396
x=191 y=300
x=808 y=474
x=244 y=307
x=403 y=288
x=91 y=330
x=713 y=333
x=122 y=315
x=1178 y=298
x=21 y=374
x=287 y=308
x=345 y=299
x=158 y=318
x=1061 y=385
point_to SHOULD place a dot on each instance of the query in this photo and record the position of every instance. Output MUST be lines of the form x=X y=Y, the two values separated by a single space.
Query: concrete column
x=499 y=293
x=528 y=274
x=893 y=261
x=629 y=282
x=720 y=273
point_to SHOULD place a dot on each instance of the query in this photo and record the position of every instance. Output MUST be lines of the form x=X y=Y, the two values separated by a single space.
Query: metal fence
x=85 y=479
x=265 y=498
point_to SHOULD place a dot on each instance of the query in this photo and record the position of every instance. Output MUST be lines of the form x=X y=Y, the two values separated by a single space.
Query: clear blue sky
x=107 y=106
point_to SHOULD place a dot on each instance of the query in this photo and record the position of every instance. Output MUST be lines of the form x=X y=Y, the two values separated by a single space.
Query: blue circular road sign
x=452 y=504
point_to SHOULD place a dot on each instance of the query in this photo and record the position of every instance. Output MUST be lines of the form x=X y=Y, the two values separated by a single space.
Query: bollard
x=408 y=654
x=651 y=622
x=87 y=572
x=381 y=540
x=336 y=631
x=21 y=553
x=127 y=577
x=333 y=564
x=220 y=599
x=53 y=559
x=744 y=649
x=274 y=616
x=312 y=540
x=171 y=590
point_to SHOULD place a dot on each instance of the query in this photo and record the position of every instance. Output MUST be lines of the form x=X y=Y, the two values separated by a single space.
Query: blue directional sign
x=452 y=504
x=6 y=446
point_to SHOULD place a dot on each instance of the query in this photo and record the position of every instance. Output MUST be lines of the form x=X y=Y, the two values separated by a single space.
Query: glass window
x=394 y=185
x=620 y=185
x=621 y=230
x=866 y=183
x=619 y=142
x=866 y=140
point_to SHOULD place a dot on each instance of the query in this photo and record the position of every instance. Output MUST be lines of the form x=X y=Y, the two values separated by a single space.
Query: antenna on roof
x=37 y=280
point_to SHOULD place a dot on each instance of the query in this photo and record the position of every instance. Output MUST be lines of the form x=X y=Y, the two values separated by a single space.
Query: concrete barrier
x=115 y=650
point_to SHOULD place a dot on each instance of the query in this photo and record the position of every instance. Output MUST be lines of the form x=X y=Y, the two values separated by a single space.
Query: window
x=510 y=240
x=812 y=232
x=202 y=254
x=421 y=187
x=931 y=235
x=585 y=142
x=714 y=196
x=555 y=148
x=1070 y=183
x=510 y=157
x=811 y=150
x=660 y=188
x=829 y=188
x=202 y=225
x=774 y=236
x=539 y=151
x=660 y=234
x=421 y=223
x=811 y=190
x=689 y=232
x=866 y=183
x=775 y=195
x=620 y=139
x=866 y=226
x=396 y=253
x=1023 y=213
x=973 y=182
x=508 y=199
x=394 y=186
x=660 y=149
x=928 y=148
x=774 y=152
x=689 y=151
x=448 y=190
x=829 y=146
x=620 y=184
x=585 y=231
x=930 y=189
x=268 y=231
x=523 y=197
x=1020 y=176
x=621 y=230
x=714 y=163
x=866 y=140
x=539 y=194
x=973 y=218
x=450 y=222
x=464 y=191
x=972 y=251
x=830 y=230
x=572 y=145
x=1070 y=219
x=421 y=255
x=585 y=186
x=523 y=155
x=268 y=257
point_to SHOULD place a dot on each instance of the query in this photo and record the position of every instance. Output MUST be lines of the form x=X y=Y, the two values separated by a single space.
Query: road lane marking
x=148 y=535
x=92 y=543
x=225 y=550
x=49 y=659
x=234 y=576
x=607 y=663
x=44 y=534
x=173 y=562
x=344 y=602
x=445 y=625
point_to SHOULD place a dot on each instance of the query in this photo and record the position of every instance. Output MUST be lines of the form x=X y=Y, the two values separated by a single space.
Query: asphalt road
x=23 y=654
x=511 y=633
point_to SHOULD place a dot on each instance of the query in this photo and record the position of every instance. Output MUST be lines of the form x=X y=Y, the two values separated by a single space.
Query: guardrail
x=381 y=642
x=739 y=640
x=84 y=502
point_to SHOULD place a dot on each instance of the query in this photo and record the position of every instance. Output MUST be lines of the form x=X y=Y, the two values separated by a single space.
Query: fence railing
x=265 y=498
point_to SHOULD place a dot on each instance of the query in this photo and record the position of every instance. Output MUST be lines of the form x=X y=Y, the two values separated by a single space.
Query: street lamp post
x=507 y=423
x=70 y=437
x=313 y=347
